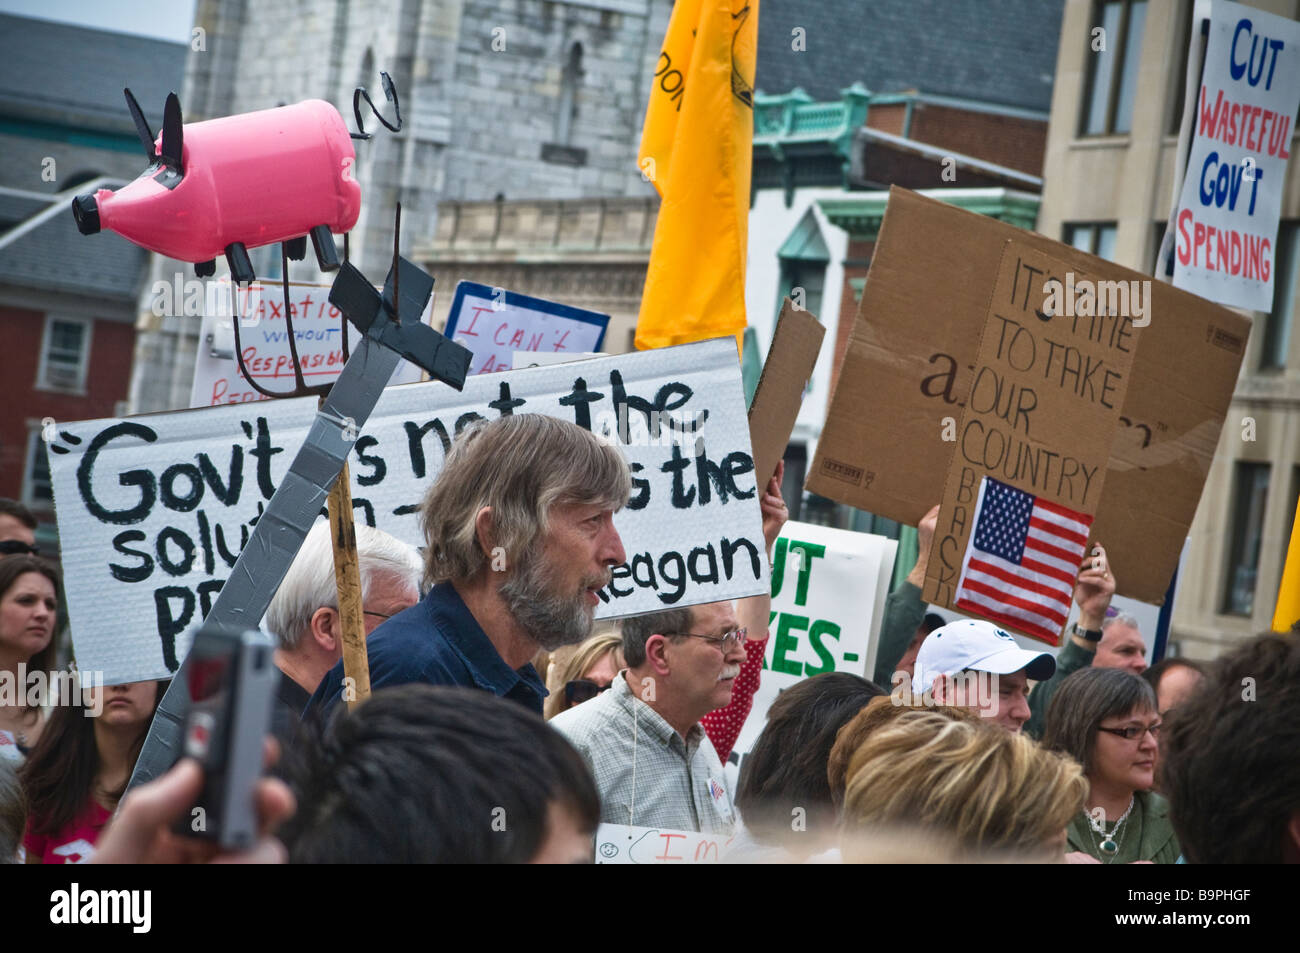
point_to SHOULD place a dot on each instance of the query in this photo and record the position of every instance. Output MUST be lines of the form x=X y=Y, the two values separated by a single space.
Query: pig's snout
x=86 y=211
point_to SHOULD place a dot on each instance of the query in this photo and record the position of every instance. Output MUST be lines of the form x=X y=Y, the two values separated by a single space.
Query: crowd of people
x=505 y=725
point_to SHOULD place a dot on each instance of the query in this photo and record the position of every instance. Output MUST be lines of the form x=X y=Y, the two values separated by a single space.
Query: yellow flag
x=1288 y=594
x=696 y=148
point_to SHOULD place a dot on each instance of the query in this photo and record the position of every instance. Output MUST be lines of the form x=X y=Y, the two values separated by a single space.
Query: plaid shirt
x=647 y=775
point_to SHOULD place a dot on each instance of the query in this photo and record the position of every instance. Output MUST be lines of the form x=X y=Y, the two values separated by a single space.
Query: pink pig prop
x=227 y=185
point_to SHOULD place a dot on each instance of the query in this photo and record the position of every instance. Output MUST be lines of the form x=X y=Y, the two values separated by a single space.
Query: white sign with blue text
x=1225 y=227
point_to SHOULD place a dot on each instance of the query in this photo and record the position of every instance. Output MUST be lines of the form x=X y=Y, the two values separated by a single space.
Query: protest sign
x=494 y=323
x=263 y=334
x=1045 y=356
x=909 y=367
x=775 y=408
x=623 y=844
x=161 y=505
x=828 y=599
x=1225 y=225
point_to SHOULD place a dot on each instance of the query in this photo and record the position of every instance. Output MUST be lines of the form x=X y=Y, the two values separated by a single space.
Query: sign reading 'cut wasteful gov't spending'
x=1227 y=217
x=161 y=505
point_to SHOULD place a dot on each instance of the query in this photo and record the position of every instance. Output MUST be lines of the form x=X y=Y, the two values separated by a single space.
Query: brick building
x=947 y=98
x=67 y=302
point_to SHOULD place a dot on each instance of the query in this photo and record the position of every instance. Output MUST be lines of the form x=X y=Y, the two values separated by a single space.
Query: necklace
x=1109 y=845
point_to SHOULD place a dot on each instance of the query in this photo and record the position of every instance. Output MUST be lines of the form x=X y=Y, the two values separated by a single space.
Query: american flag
x=1021 y=560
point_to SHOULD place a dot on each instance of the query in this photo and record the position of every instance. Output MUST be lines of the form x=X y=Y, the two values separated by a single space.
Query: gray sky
x=164 y=19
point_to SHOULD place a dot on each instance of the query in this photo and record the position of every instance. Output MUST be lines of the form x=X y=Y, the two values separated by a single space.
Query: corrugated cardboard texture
x=908 y=365
x=795 y=345
x=1044 y=405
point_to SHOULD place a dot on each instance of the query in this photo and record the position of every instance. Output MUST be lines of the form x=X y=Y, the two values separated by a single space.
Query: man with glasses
x=17 y=529
x=653 y=762
x=304 y=615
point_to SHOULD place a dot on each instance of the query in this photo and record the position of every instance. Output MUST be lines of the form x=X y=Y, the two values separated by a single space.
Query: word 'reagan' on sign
x=1032 y=446
x=162 y=505
x=495 y=323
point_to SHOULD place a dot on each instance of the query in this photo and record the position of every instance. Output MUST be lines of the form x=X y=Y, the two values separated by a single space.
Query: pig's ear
x=141 y=126
x=170 y=152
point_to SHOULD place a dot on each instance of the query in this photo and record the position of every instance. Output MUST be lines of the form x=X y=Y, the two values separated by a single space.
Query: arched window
x=570 y=80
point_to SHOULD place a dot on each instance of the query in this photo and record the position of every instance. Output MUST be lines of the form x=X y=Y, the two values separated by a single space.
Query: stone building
x=530 y=99
x=1109 y=177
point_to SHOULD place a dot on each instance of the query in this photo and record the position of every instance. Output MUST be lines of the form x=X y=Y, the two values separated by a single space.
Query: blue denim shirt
x=436 y=641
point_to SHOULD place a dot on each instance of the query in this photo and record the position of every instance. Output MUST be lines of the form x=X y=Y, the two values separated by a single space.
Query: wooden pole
x=347 y=576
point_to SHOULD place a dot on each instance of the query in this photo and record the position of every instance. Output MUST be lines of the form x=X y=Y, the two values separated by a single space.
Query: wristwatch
x=1092 y=635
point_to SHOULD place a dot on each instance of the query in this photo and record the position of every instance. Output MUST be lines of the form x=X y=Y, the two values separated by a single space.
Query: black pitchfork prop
x=391 y=330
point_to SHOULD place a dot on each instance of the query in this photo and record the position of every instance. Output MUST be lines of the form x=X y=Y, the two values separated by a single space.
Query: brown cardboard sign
x=790 y=360
x=910 y=363
x=1047 y=385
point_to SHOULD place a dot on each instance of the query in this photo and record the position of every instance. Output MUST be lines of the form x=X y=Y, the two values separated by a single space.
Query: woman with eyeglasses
x=28 y=608
x=587 y=672
x=1107 y=720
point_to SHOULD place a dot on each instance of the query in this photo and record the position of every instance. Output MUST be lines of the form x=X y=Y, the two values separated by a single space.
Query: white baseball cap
x=978 y=645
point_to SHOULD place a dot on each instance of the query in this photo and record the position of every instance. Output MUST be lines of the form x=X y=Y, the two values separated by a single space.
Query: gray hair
x=1121 y=618
x=1084 y=700
x=309 y=584
x=520 y=466
x=637 y=629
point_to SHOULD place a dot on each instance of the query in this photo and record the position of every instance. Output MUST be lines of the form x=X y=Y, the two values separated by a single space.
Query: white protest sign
x=623 y=844
x=828 y=598
x=1227 y=217
x=494 y=323
x=154 y=510
x=264 y=340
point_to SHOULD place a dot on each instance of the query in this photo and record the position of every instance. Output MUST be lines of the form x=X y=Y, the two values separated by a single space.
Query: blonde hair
x=520 y=466
x=988 y=788
x=584 y=657
x=854 y=733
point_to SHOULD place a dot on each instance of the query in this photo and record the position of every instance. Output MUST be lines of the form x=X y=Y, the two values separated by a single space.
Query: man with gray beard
x=520 y=535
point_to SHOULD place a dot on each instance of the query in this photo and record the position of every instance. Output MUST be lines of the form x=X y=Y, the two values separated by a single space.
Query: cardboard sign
x=160 y=505
x=909 y=365
x=1040 y=362
x=623 y=844
x=1226 y=223
x=775 y=408
x=263 y=335
x=828 y=599
x=494 y=323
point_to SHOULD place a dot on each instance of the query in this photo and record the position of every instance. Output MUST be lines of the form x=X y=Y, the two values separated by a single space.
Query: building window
x=38 y=492
x=1096 y=238
x=1160 y=229
x=1180 y=77
x=570 y=80
x=803 y=258
x=562 y=151
x=1250 y=495
x=1112 y=70
x=1277 y=325
x=65 y=353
